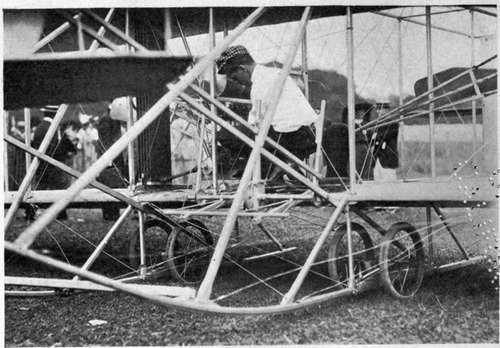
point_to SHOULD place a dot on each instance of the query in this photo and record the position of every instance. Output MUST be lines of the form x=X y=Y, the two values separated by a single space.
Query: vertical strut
x=350 y=98
x=430 y=86
x=401 y=140
x=318 y=159
x=27 y=139
x=130 y=119
x=305 y=69
x=6 y=157
x=472 y=62
x=205 y=288
x=79 y=31
x=350 y=259
x=211 y=46
x=430 y=238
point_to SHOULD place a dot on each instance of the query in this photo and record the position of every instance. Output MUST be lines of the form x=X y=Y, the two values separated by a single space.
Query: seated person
x=294 y=116
x=232 y=152
x=336 y=145
x=385 y=150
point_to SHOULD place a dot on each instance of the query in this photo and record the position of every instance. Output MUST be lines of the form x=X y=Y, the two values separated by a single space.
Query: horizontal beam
x=161 y=290
x=441 y=189
x=480 y=10
x=422 y=24
x=432 y=13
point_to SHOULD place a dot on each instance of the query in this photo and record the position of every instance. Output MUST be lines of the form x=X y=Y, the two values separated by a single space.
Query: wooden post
x=351 y=98
x=305 y=68
x=257 y=173
x=205 y=288
x=430 y=85
x=200 y=155
x=29 y=235
x=257 y=187
x=211 y=45
x=401 y=140
x=81 y=41
x=30 y=174
x=27 y=139
x=472 y=61
x=142 y=246
x=167 y=27
x=429 y=233
x=6 y=154
x=292 y=292
x=131 y=118
x=318 y=159
x=350 y=259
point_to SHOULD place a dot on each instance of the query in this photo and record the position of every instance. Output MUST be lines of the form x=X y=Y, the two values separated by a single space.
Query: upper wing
x=70 y=78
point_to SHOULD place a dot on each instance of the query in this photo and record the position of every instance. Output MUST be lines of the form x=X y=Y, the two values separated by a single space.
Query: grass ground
x=457 y=307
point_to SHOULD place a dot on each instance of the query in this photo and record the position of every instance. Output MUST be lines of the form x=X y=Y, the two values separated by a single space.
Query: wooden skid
x=171 y=291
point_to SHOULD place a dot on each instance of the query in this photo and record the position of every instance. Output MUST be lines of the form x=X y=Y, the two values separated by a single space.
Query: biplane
x=176 y=257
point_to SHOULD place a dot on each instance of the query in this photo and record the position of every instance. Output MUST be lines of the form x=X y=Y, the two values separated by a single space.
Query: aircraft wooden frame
x=174 y=210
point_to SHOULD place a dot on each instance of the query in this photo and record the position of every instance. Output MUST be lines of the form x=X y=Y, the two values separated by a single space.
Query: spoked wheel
x=156 y=233
x=402 y=259
x=362 y=249
x=188 y=251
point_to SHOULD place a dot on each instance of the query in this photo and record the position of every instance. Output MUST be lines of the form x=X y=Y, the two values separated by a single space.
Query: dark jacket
x=336 y=146
x=47 y=176
x=109 y=131
x=386 y=146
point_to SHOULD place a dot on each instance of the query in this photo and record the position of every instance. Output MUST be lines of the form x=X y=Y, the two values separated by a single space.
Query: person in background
x=385 y=148
x=116 y=174
x=87 y=136
x=336 y=145
x=61 y=148
x=294 y=116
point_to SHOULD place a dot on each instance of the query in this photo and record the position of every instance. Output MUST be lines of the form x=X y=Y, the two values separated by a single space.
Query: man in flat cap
x=294 y=116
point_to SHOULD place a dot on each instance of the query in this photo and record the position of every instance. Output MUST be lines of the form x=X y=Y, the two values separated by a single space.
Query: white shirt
x=293 y=109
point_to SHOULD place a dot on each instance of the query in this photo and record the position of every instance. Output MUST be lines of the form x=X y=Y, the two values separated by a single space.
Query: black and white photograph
x=249 y=173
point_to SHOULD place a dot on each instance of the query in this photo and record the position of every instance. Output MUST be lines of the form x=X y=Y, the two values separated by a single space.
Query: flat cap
x=229 y=56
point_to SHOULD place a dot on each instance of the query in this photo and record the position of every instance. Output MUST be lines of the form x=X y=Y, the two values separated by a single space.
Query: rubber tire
x=384 y=255
x=339 y=234
x=133 y=255
x=172 y=244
